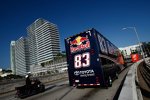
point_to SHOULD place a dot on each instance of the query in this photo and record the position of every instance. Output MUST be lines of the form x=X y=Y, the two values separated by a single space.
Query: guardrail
x=145 y=71
x=144 y=78
x=131 y=91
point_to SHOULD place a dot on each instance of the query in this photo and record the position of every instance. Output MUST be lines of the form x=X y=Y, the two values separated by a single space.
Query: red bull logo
x=79 y=43
x=79 y=40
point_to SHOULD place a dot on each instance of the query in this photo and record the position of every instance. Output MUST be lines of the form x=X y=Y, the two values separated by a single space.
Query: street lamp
x=137 y=38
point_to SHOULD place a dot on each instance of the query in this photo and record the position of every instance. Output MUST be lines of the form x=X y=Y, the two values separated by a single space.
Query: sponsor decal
x=106 y=47
x=85 y=73
x=135 y=57
x=102 y=44
x=79 y=43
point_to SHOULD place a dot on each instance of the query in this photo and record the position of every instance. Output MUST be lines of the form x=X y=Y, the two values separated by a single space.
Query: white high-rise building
x=40 y=46
x=12 y=57
x=21 y=56
x=44 y=41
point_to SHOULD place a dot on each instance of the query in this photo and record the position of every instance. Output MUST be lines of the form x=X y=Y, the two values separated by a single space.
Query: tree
x=6 y=71
x=59 y=56
x=146 y=48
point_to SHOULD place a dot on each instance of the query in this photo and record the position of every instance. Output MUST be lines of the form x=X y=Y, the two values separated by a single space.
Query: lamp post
x=137 y=38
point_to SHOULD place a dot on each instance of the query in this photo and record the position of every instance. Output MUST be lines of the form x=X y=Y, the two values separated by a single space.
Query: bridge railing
x=144 y=77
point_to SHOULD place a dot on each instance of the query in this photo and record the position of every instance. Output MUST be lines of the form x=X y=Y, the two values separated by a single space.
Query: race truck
x=92 y=59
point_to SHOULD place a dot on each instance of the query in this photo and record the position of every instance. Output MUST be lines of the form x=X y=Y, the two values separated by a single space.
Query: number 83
x=82 y=60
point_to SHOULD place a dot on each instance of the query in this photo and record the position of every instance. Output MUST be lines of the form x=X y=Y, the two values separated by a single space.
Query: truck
x=92 y=60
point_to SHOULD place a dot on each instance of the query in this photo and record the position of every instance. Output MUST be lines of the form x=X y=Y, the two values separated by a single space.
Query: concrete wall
x=10 y=86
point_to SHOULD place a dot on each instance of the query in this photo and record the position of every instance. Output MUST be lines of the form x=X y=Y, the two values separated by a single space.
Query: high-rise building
x=21 y=56
x=12 y=57
x=44 y=41
x=39 y=47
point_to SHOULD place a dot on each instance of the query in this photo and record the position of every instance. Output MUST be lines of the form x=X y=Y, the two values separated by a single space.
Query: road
x=62 y=91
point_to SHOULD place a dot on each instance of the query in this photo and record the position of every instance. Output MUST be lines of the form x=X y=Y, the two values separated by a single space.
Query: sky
x=72 y=17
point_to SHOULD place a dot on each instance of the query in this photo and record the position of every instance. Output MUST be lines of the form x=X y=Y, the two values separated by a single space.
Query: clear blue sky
x=74 y=16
